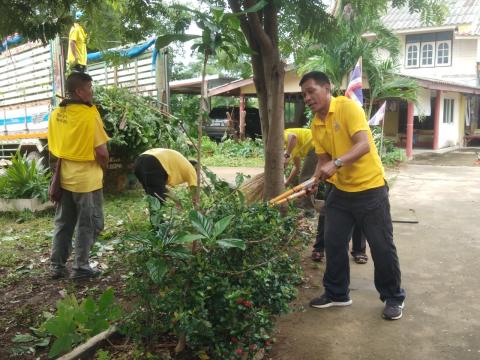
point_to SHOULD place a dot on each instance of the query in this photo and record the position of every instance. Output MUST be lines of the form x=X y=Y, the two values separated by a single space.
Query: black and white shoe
x=393 y=310
x=324 y=302
x=85 y=274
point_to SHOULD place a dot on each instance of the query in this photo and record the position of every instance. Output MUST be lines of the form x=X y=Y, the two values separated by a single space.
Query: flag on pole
x=354 y=88
x=379 y=115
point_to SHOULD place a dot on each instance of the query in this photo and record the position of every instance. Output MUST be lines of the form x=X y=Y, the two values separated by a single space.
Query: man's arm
x=291 y=143
x=102 y=156
x=360 y=147
x=297 y=162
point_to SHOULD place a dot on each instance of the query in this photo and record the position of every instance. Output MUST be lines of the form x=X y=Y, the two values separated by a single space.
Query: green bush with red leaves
x=214 y=279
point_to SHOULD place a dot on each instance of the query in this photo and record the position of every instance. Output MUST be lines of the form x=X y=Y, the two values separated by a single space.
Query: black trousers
x=359 y=242
x=151 y=174
x=370 y=210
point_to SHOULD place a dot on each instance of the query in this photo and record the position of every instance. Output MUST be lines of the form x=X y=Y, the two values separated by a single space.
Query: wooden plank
x=43 y=73
x=24 y=48
x=36 y=103
x=27 y=99
x=16 y=64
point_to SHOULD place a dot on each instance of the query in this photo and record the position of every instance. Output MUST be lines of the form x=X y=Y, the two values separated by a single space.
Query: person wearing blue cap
x=77 y=46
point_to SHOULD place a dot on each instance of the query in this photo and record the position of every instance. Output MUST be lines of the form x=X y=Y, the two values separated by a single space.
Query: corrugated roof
x=460 y=12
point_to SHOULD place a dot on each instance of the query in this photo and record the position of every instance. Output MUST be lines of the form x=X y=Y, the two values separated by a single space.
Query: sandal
x=360 y=258
x=318 y=256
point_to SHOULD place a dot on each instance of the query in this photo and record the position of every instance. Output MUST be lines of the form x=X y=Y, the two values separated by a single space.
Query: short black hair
x=193 y=162
x=319 y=77
x=76 y=80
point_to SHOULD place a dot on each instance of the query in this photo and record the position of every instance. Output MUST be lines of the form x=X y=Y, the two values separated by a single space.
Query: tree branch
x=257 y=29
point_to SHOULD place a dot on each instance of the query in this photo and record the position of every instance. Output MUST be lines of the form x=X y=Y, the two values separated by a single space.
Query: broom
x=253 y=188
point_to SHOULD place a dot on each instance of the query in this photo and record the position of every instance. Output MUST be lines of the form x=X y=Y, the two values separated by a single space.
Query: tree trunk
x=261 y=30
x=203 y=114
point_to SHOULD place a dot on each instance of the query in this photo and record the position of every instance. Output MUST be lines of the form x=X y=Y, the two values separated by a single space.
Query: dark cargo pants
x=83 y=211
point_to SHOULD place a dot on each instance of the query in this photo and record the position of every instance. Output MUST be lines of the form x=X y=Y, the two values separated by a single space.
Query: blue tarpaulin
x=129 y=53
x=9 y=41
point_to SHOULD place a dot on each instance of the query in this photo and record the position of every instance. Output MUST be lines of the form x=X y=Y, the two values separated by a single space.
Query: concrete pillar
x=436 y=120
x=409 y=145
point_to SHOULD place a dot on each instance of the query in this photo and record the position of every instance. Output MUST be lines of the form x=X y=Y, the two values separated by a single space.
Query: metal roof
x=460 y=12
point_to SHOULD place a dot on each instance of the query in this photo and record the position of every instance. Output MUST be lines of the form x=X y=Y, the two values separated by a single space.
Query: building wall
x=462 y=68
x=449 y=134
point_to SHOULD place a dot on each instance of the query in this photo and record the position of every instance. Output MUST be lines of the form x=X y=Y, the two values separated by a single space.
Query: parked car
x=218 y=122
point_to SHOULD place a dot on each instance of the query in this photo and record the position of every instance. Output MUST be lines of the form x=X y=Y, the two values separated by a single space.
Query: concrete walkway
x=439 y=259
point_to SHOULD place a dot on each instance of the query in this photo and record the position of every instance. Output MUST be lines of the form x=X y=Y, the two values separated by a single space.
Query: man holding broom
x=359 y=194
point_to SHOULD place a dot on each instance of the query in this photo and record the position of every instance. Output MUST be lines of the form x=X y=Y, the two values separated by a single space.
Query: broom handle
x=295 y=189
x=291 y=197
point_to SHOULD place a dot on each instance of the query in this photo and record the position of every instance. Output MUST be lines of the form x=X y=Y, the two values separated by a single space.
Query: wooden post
x=436 y=120
x=242 y=116
x=409 y=145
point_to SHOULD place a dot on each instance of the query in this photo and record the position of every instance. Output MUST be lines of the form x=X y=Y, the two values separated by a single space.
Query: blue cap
x=78 y=14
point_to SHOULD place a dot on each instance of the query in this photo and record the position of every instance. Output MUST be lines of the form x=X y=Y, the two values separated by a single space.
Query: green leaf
x=62 y=345
x=221 y=225
x=187 y=238
x=157 y=269
x=203 y=224
x=231 y=243
x=23 y=338
x=165 y=40
x=106 y=299
x=257 y=7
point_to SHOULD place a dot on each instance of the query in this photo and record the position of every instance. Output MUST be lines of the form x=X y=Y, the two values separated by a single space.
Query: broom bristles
x=253 y=188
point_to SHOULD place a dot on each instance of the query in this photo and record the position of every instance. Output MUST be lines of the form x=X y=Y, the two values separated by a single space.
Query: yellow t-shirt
x=304 y=141
x=334 y=137
x=177 y=167
x=74 y=132
x=77 y=34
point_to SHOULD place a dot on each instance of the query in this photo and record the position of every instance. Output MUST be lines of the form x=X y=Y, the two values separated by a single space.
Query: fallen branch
x=80 y=351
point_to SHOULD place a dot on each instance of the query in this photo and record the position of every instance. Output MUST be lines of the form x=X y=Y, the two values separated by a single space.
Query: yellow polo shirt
x=74 y=132
x=333 y=136
x=177 y=167
x=77 y=34
x=304 y=141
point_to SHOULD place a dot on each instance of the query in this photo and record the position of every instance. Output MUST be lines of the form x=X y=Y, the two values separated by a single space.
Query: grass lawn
x=219 y=160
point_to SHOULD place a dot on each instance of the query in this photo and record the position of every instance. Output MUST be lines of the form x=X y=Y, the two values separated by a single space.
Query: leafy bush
x=135 y=124
x=25 y=179
x=391 y=155
x=213 y=282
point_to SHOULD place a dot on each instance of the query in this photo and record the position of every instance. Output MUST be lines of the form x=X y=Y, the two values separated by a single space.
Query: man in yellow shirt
x=77 y=139
x=348 y=159
x=157 y=168
x=298 y=147
x=77 y=46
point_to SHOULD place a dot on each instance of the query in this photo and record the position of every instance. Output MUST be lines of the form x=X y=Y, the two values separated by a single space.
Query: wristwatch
x=287 y=155
x=338 y=163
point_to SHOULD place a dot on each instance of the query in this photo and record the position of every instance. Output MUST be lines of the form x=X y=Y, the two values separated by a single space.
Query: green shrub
x=221 y=297
x=391 y=155
x=135 y=124
x=25 y=179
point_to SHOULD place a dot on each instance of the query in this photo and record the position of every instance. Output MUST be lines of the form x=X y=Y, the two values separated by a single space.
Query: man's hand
x=326 y=171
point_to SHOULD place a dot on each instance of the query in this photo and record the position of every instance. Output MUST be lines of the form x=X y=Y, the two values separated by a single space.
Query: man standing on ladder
x=77 y=46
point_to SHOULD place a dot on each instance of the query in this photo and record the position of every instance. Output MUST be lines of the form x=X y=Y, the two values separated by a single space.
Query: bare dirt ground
x=439 y=262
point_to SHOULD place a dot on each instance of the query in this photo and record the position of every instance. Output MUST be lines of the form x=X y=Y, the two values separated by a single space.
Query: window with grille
x=427 y=54
x=412 y=55
x=448 y=111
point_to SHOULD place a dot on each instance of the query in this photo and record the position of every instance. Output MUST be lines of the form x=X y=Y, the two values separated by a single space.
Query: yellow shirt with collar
x=333 y=135
x=177 y=167
x=304 y=141
x=74 y=132
x=77 y=34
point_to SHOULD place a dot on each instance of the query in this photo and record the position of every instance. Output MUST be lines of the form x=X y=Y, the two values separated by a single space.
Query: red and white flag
x=354 y=88
x=379 y=115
